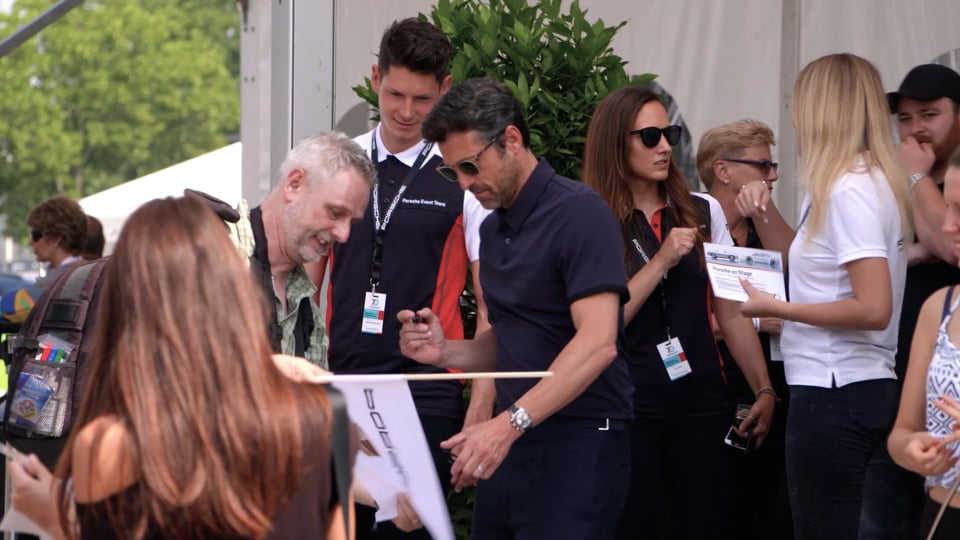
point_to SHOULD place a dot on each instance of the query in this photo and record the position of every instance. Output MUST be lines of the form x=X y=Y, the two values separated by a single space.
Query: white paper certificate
x=761 y=267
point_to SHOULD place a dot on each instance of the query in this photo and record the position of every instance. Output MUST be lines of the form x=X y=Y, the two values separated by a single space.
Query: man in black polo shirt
x=554 y=463
x=414 y=247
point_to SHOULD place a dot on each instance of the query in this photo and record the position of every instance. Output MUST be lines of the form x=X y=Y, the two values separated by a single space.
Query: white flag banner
x=394 y=456
x=15 y=521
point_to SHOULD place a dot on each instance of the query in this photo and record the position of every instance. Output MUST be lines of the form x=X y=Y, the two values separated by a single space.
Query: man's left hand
x=482 y=448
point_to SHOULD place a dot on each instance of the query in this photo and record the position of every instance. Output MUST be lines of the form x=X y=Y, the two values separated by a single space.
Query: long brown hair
x=183 y=362
x=606 y=157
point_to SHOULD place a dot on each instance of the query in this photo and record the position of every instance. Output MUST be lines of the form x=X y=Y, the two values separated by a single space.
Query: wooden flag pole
x=439 y=376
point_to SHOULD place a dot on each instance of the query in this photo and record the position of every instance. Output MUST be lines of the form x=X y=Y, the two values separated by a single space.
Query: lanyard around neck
x=635 y=240
x=380 y=227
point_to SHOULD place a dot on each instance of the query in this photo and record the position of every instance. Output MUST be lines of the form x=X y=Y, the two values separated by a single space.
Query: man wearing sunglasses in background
x=554 y=462
x=414 y=248
x=58 y=228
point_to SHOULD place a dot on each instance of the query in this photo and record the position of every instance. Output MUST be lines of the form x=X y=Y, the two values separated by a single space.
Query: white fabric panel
x=720 y=60
x=216 y=173
x=892 y=34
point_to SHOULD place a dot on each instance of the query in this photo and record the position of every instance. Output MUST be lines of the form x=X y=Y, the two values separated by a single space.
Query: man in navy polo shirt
x=554 y=463
x=414 y=247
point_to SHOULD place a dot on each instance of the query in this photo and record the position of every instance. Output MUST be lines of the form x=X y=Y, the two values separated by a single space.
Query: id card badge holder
x=374 y=304
x=674 y=359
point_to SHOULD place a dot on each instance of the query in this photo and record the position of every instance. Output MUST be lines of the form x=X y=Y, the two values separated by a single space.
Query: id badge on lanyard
x=674 y=359
x=374 y=303
x=671 y=351
x=374 y=307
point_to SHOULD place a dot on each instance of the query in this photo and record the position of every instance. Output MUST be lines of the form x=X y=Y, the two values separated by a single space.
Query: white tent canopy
x=216 y=173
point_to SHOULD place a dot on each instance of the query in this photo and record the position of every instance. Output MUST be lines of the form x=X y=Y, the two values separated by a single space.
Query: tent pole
x=30 y=29
x=787 y=200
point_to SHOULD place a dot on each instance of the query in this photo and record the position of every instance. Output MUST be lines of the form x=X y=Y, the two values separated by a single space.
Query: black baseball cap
x=927 y=82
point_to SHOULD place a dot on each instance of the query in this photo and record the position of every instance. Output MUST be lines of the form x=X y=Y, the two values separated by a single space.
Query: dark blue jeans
x=893 y=501
x=832 y=435
x=563 y=479
x=680 y=478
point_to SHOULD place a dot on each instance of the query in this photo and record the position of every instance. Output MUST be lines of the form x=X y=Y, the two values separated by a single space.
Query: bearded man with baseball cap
x=927 y=107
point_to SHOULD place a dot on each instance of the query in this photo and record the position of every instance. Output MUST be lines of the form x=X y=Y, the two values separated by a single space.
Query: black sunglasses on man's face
x=467 y=166
x=36 y=234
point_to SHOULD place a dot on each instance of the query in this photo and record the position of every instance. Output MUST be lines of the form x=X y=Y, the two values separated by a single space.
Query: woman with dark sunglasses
x=680 y=408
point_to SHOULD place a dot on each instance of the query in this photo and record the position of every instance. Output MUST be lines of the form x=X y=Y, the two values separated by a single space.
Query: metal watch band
x=913 y=179
x=519 y=418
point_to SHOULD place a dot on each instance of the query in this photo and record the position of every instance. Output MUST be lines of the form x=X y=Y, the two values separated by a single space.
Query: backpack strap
x=260 y=269
x=64 y=304
x=340 y=447
x=947 y=302
x=262 y=275
x=79 y=290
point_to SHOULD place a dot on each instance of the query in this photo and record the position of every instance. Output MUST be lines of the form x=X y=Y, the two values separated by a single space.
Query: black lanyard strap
x=380 y=227
x=635 y=240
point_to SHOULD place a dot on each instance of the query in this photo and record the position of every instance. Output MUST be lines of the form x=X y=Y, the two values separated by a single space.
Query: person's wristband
x=767 y=390
x=756 y=323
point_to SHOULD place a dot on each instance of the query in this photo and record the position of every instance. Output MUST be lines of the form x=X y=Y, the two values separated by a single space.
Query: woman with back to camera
x=187 y=429
x=924 y=436
x=681 y=413
x=847 y=269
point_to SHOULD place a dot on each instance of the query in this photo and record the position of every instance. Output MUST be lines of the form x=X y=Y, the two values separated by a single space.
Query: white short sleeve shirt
x=862 y=221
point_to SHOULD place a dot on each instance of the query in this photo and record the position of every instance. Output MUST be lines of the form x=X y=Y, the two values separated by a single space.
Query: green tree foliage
x=556 y=61
x=113 y=90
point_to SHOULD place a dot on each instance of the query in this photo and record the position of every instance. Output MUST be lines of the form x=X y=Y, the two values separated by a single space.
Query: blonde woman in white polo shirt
x=847 y=265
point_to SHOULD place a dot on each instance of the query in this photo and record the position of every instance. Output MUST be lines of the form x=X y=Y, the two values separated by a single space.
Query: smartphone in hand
x=735 y=440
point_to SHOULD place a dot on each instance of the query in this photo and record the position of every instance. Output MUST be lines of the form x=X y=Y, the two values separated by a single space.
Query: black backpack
x=49 y=362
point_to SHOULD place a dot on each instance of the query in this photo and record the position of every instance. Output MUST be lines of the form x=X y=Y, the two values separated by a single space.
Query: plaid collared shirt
x=299 y=286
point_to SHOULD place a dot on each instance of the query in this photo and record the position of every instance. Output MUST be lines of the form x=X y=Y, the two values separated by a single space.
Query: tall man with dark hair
x=927 y=109
x=554 y=463
x=415 y=246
